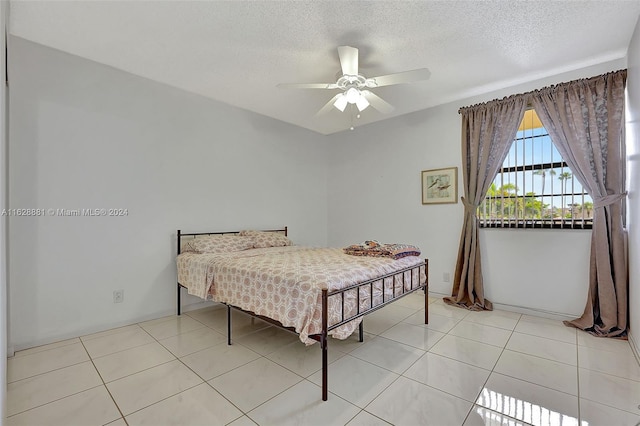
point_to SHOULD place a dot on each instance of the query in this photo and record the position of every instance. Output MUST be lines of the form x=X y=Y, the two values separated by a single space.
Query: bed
x=313 y=292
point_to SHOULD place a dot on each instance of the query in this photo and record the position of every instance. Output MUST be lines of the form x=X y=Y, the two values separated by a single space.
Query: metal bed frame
x=326 y=328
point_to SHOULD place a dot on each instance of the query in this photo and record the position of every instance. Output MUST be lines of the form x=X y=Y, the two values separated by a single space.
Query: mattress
x=285 y=283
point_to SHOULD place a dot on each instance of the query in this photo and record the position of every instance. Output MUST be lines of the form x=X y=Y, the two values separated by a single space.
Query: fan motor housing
x=347 y=81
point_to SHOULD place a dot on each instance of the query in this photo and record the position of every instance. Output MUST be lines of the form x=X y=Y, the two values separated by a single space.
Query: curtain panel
x=488 y=131
x=585 y=119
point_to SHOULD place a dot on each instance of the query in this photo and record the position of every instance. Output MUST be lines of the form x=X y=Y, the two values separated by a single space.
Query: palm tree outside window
x=535 y=188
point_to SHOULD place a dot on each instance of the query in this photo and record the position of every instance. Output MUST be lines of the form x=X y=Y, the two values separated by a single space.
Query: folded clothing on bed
x=374 y=248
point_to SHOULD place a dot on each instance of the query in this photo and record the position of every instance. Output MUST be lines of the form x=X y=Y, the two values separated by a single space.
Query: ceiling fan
x=354 y=86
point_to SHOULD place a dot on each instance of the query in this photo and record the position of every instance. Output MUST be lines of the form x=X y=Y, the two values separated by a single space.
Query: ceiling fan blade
x=328 y=106
x=399 y=78
x=348 y=60
x=377 y=102
x=308 y=85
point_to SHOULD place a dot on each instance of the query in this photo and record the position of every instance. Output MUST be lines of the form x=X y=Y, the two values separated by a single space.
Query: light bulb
x=362 y=103
x=341 y=103
x=352 y=95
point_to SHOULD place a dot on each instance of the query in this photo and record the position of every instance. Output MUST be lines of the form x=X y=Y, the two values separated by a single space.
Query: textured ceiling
x=238 y=51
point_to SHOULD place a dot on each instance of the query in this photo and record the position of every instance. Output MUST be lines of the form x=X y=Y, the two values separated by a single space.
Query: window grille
x=535 y=187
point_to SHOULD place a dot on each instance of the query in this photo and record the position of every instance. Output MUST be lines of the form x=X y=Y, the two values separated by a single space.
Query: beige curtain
x=488 y=131
x=585 y=120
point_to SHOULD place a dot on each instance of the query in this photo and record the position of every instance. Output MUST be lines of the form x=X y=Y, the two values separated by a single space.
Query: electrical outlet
x=446 y=277
x=118 y=296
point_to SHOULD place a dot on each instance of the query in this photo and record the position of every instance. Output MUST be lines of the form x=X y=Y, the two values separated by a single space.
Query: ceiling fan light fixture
x=353 y=86
x=362 y=103
x=341 y=102
x=352 y=94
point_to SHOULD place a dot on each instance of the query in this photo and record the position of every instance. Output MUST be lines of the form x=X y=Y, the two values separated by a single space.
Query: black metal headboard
x=196 y=234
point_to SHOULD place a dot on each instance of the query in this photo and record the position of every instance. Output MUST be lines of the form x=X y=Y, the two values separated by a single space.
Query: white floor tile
x=468 y=351
x=388 y=354
x=417 y=336
x=551 y=330
x=439 y=308
x=550 y=320
x=43 y=361
x=41 y=348
x=192 y=341
x=459 y=379
x=241 y=323
x=110 y=332
x=528 y=402
x=219 y=359
x=110 y=343
x=407 y=402
x=544 y=348
x=302 y=405
x=385 y=318
x=154 y=322
x=604 y=343
x=357 y=381
x=301 y=359
x=29 y=393
x=414 y=300
x=147 y=387
x=436 y=322
x=595 y=414
x=535 y=379
x=243 y=421
x=367 y=419
x=615 y=363
x=543 y=372
x=87 y=408
x=609 y=390
x=267 y=340
x=171 y=327
x=254 y=383
x=130 y=361
x=200 y=405
x=480 y=416
x=481 y=333
x=349 y=344
x=499 y=319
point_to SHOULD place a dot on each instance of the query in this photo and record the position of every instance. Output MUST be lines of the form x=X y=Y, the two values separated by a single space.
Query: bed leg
x=323 y=343
x=426 y=291
x=228 y=325
x=325 y=367
x=426 y=306
x=361 y=331
x=178 y=299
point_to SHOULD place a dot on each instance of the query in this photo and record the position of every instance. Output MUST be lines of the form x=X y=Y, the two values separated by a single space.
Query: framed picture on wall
x=440 y=186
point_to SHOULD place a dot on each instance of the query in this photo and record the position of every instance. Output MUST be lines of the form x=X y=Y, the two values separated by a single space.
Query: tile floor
x=464 y=368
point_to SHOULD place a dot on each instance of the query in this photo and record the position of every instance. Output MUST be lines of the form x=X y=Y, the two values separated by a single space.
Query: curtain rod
x=527 y=94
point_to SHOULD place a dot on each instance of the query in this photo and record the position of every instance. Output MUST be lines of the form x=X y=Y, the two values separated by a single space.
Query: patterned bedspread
x=285 y=283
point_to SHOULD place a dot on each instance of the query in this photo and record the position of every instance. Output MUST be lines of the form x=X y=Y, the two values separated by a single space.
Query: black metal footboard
x=360 y=312
x=322 y=338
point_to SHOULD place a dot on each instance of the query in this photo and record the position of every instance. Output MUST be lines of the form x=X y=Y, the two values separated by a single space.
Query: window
x=535 y=188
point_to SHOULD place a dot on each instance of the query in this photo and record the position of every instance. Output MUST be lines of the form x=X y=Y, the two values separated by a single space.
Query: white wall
x=374 y=193
x=633 y=173
x=84 y=135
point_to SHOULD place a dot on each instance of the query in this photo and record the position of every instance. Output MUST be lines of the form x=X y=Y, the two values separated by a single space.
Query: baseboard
x=90 y=330
x=560 y=316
